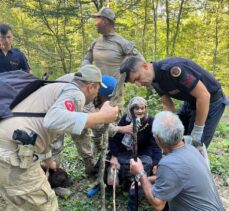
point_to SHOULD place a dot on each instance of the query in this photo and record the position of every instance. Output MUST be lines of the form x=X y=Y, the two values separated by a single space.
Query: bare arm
x=202 y=103
x=157 y=203
x=167 y=103
x=136 y=168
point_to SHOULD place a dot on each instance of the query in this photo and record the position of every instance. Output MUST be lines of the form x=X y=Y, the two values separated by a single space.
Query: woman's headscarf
x=135 y=101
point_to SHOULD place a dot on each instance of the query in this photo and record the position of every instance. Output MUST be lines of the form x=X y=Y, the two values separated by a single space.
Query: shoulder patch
x=69 y=105
x=175 y=71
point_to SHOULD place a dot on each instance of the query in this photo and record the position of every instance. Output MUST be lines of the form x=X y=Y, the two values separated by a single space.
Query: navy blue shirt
x=14 y=60
x=146 y=142
x=177 y=77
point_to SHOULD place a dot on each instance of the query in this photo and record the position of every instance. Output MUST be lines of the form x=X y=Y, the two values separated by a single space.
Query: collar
x=178 y=147
x=109 y=34
x=9 y=51
x=157 y=71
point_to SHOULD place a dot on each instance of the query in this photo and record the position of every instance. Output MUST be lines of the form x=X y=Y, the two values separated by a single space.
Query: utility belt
x=21 y=154
x=216 y=96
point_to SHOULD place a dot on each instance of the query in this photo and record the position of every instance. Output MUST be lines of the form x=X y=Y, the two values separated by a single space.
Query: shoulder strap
x=28 y=114
x=29 y=90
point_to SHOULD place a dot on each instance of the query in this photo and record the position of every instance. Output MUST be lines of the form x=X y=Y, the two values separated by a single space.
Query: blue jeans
x=187 y=115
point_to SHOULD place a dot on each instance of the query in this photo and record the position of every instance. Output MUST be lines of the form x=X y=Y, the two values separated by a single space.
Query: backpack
x=15 y=87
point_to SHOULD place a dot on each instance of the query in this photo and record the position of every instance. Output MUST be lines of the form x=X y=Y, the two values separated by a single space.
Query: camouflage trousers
x=88 y=143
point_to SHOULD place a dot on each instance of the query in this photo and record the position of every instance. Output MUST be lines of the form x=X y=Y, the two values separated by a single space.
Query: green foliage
x=55 y=34
x=222 y=130
x=219 y=155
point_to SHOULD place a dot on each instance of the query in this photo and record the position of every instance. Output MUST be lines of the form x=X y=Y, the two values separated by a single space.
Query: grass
x=219 y=161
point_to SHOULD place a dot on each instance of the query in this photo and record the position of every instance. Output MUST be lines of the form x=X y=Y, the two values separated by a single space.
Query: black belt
x=216 y=96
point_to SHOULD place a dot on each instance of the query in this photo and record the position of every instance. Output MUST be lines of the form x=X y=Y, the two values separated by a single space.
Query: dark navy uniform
x=176 y=78
x=14 y=60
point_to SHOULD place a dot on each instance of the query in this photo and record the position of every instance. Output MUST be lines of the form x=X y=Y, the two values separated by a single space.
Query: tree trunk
x=177 y=27
x=167 y=27
x=154 y=11
x=60 y=51
x=82 y=31
x=144 y=27
x=216 y=37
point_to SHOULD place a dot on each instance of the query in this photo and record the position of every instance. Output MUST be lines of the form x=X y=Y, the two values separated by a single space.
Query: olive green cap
x=105 y=12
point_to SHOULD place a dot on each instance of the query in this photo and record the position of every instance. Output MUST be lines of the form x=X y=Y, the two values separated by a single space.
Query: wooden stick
x=114 y=185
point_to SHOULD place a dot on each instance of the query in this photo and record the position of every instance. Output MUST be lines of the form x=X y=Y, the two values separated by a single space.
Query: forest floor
x=219 y=161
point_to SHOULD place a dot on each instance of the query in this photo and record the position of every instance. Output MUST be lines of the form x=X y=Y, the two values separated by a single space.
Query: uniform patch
x=173 y=92
x=175 y=71
x=188 y=80
x=69 y=105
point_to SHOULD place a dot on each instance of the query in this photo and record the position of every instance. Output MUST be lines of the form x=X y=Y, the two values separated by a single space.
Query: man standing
x=182 y=79
x=108 y=51
x=22 y=181
x=183 y=178
x=10 y=58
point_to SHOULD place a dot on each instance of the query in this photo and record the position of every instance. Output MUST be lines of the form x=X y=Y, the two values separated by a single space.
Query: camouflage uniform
x=28 y=188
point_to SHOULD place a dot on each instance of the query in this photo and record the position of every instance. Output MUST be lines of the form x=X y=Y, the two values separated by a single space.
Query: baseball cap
x=105 y=12
x=110 y=82
x=90 y=73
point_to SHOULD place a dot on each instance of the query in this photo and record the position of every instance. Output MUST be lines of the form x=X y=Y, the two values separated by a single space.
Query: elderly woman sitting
x=121 y=145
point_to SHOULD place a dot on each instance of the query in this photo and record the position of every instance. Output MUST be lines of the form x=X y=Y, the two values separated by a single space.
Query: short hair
x=168 y=128
x=4 y=29
x=130 y=64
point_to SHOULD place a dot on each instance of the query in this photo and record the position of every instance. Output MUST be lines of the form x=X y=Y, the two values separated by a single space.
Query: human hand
x=197 y=133
x=108 y=112
x=136 y=166
x=125 y=129
x=50 y=163
x=114 y=163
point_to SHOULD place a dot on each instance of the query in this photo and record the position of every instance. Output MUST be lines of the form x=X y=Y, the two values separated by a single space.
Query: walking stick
x=135 y=153
x=114 y=189
x=113 y=100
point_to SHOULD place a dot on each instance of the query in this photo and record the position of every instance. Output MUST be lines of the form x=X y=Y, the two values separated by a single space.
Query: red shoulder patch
x=188 y=80
x=69 y=105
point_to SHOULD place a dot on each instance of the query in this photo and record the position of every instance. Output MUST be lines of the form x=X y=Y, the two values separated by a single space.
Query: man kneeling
x=183 y=178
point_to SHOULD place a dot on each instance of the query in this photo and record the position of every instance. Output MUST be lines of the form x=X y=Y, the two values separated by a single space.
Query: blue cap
x=110 y=82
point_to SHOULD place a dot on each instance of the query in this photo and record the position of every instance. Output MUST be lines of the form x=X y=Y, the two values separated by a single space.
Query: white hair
x=168 y=128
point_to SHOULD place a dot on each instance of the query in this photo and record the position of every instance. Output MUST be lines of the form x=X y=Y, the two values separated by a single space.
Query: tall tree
x=167 y=26
x=174 y=40
x=154 y=11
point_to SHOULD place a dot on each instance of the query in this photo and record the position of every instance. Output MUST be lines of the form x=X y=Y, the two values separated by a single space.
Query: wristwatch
x=139 y=175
